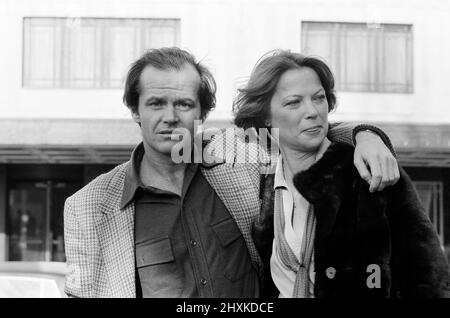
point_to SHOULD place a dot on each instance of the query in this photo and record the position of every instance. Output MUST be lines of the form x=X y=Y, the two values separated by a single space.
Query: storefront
x=36 y=178
x=35 y=196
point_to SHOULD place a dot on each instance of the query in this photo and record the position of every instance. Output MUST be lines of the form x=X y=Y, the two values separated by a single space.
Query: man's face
x=168 y=100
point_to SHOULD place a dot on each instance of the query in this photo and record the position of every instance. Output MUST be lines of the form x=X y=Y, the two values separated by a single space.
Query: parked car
x=32 y=279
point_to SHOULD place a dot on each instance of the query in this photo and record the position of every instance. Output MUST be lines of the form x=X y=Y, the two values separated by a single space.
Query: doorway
x=35 y=213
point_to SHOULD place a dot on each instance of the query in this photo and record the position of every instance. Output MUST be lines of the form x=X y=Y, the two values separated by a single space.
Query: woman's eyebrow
x=319 y=91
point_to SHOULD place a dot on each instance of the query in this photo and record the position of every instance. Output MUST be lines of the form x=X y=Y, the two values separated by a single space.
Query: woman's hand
x=375 y=163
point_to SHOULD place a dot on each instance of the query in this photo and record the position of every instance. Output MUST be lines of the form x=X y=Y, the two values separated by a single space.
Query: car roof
x=32 y=279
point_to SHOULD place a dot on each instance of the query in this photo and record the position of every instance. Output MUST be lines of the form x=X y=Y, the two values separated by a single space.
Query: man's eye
x=184 y=105
x=154 y=104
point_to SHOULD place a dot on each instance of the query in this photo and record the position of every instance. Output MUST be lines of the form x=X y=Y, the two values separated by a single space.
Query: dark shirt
x=188 y=245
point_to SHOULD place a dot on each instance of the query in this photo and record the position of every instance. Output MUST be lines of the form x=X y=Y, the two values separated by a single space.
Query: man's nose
x=170 y=114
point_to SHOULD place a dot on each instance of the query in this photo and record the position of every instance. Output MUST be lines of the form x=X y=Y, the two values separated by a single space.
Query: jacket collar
x=325 y=184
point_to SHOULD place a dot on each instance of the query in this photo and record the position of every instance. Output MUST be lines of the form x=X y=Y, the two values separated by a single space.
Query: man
x=155 y=228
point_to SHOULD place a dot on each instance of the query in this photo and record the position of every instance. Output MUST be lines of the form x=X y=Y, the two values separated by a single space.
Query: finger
x=377 y=175
x=385 y=179
x=392 y=164
x=392 y=171
x=396 y=172
x=362 y=169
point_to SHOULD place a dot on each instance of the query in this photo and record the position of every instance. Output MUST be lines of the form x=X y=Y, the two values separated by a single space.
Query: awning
x=104 y=141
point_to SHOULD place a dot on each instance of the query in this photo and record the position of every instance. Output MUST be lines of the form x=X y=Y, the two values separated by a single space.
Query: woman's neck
x=295 y=161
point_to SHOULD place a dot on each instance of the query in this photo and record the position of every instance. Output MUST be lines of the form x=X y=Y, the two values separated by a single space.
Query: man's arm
x=374 y=154
x=76 y=258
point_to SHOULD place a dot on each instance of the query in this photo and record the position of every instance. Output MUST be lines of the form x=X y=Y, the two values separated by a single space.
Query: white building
x=62 y=120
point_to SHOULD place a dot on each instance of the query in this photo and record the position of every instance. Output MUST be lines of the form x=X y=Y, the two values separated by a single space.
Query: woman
x=321 y=231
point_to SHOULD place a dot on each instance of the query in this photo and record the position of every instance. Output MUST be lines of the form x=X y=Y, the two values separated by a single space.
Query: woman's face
x=299 y=109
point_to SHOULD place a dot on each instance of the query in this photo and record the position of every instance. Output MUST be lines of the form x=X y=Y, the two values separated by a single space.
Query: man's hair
x=169 y=58
x=252 y=105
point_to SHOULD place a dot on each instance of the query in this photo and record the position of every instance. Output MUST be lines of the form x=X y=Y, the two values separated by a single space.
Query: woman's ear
x=267 y=123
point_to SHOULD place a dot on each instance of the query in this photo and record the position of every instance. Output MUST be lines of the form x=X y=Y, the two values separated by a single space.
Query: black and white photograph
x=252 y=150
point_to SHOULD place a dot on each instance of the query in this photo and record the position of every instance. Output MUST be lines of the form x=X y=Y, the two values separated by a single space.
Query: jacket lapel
x=324 y=185
x=236 y=188
x=115 y=229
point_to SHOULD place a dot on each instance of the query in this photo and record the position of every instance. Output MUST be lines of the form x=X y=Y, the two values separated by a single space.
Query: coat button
x=331 y=272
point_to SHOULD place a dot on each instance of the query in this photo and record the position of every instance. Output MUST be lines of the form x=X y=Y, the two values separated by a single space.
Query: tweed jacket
x=358 y=233
x=99 y=235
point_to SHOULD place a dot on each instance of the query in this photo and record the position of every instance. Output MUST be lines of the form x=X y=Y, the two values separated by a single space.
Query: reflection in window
x=27 y=208
x=431 y=196
x=363 y=57
x=89 y=52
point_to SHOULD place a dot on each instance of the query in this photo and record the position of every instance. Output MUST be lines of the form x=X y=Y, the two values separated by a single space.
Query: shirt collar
x=133 y=181
x=279 y=180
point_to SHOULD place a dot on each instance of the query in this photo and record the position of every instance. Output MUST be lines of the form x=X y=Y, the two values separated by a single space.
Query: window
x=431 y=196
x=363 y=57
x=89 y=52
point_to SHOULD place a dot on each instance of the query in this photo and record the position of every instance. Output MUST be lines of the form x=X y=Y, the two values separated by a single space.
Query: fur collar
x=326 y=183
x=328 y=176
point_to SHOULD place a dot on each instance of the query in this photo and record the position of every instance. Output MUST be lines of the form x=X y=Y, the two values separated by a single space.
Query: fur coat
x=367 y=245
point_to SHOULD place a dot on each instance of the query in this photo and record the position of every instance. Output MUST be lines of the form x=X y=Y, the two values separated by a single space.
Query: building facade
x=62 y=120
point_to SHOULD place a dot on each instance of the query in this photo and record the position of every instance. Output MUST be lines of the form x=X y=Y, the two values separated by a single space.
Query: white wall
x=230 y=36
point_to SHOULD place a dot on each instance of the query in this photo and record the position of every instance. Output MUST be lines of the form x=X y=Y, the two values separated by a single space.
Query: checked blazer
x=99 y=236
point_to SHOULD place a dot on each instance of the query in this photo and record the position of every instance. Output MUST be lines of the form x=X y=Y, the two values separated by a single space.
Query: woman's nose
x=311 y=110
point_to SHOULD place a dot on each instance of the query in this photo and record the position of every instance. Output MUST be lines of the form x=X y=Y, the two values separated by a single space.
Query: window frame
x=438 y=204
x=374 y=83
x=101 y=78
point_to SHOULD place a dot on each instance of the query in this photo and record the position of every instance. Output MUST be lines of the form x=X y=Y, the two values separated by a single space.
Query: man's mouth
x=170 y=133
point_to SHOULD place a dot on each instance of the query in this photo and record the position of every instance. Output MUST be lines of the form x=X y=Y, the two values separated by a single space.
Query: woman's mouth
x=312 y=130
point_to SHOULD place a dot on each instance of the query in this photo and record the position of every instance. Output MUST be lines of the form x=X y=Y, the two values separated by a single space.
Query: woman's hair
x=252 y=105
x=169 y=58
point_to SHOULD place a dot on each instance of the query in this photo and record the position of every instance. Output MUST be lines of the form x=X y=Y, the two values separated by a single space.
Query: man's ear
x=136 y=117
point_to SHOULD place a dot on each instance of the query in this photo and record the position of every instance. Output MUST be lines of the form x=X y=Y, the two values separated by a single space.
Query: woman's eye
x=292 y=103
x=321 y=97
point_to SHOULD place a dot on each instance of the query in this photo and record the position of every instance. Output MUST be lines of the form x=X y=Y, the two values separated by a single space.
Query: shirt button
x=203 y=281
x=193 y=243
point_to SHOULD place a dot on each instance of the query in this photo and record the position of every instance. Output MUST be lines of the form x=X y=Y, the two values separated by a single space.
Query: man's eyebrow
x=184 y=99
x=155 y=99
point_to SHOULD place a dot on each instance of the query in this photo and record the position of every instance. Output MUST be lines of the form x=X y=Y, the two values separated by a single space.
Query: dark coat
x=356 y=228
